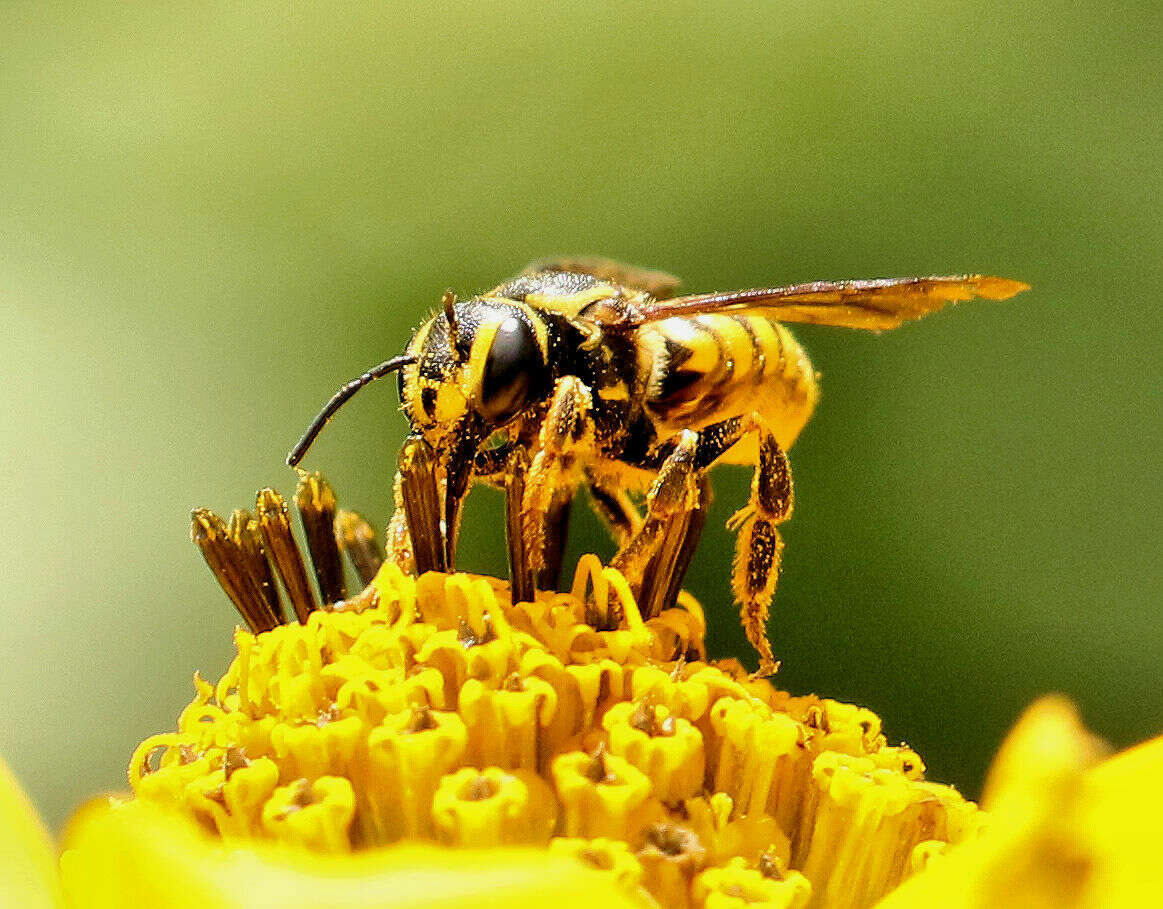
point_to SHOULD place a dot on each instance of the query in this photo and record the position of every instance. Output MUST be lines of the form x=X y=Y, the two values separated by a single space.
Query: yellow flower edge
x=138 y=854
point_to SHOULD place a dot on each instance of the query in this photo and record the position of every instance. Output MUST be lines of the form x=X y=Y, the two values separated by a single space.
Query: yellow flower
x=428 y=742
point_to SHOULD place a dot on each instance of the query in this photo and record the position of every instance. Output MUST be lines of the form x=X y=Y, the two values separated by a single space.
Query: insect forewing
x=874 y=305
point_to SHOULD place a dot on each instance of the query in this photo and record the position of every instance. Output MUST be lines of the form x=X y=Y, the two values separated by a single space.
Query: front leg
x=414 y=534
x=566 y=433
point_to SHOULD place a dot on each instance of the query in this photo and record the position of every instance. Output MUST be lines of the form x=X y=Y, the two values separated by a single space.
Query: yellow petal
x=28 y=876
x=1063 y=832
x=135 y=854
x=1125 y=812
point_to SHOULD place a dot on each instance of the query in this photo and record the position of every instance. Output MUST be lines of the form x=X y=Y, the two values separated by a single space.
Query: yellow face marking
x=412 y=383
x=472 y=374
x=451 y=402
x=540 y=331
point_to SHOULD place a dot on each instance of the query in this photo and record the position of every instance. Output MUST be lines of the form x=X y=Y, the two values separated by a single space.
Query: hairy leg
x=566 y=432
x=656 y=557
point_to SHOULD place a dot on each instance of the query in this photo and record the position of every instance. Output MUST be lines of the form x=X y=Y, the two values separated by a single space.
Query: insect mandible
x=585 y=372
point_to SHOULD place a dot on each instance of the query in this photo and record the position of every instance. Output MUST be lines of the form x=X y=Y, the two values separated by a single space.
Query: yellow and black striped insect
x=583 y=372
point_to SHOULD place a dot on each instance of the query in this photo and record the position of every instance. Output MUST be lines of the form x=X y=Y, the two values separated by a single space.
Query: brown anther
x=677 y=843
x=645 y=719
x=468 y=637
x=187 y=754
x=234 y=759
x=679 y=668
x=771 y=865
x=244 y=533
x=232 y=567
x=610 y=620
x=479 y=788
x=327 y=715
x=596 y=858
x=465 y=635
x=301 y=797
x=597 y=770
x=421 y=720
x=153 y=760
x=514 y=682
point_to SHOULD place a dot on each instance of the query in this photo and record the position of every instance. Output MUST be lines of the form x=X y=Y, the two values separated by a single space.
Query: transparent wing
x=874 y=305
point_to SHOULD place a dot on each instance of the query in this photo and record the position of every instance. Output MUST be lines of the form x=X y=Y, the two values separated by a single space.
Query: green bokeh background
x=213 y=214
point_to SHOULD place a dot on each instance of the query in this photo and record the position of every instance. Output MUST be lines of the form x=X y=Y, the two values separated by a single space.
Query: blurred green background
x=213 y=214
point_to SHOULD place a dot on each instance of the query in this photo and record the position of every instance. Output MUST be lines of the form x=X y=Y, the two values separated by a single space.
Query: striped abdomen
x=707 y=368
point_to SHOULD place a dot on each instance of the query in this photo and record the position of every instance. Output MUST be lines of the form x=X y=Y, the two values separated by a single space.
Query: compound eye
x=514 y=370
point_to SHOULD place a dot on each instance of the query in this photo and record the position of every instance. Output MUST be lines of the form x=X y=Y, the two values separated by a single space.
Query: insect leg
x=663 y=581
x=567 y=430
x=674 y=495
x=615 y=508
x=399 y=540
x=759 y=547
x=420 y=498
x=556 y=530
x=521 y=575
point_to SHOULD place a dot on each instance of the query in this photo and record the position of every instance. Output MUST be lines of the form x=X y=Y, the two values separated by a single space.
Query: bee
x=584 y=372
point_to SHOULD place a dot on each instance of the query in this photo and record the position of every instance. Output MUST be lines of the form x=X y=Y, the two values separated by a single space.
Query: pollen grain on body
x=435 y=709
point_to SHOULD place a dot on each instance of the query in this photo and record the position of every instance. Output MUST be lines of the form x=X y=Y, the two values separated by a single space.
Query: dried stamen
x=360 y=543
x=598 y=770
x=772 y=866
x=317 y=509
x=275 y=524
x=417 y=463
x=230 y=566
x=245 y=535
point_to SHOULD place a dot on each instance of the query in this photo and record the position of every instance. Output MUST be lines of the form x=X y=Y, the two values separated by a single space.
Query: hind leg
x=759 y=547
x=663 y=547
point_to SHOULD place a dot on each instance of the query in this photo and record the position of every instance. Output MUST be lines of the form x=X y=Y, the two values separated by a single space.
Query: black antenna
x=341 y=397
